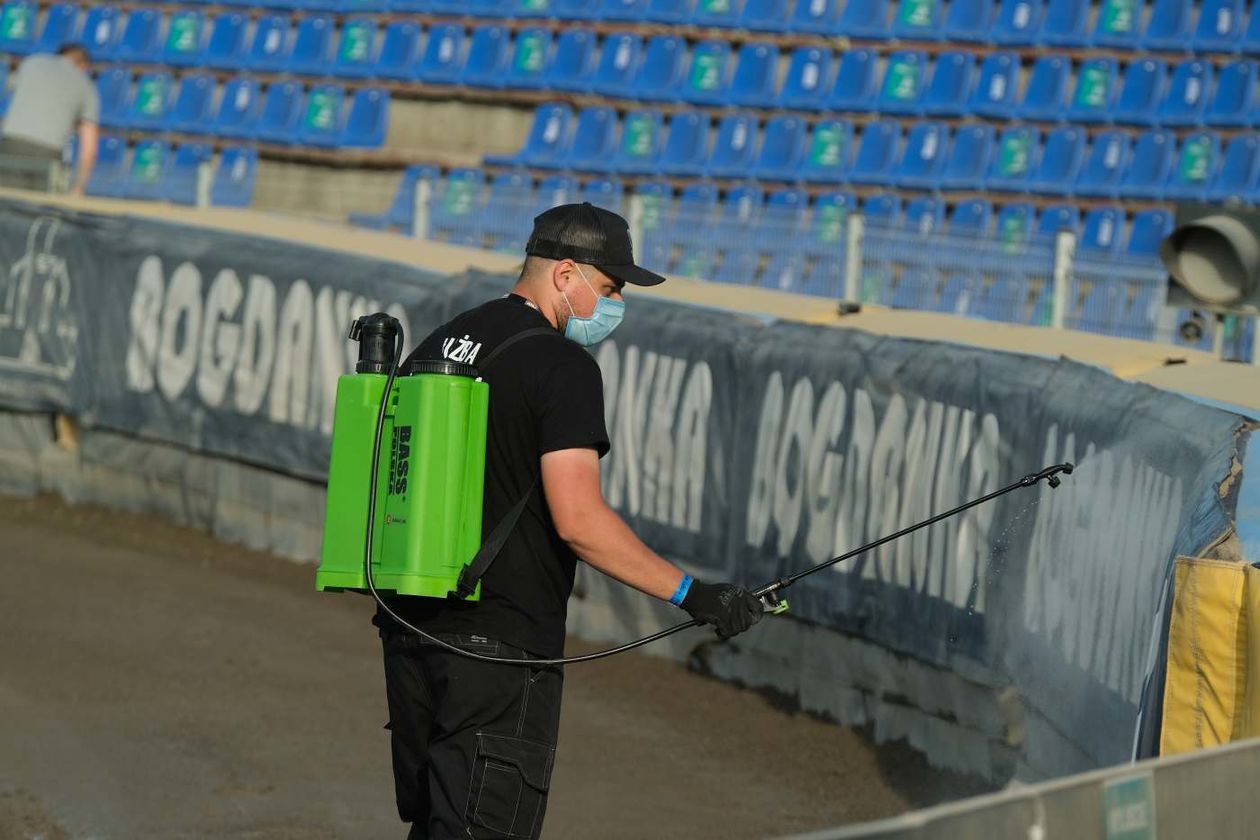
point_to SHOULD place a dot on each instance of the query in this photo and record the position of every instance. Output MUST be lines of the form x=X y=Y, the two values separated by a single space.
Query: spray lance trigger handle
x=1050 y=474
x=770 y=601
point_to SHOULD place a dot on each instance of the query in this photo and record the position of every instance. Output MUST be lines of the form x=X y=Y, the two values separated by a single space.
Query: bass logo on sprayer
x=399 y=461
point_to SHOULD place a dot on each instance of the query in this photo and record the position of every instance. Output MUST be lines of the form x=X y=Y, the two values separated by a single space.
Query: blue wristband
x=684 y=586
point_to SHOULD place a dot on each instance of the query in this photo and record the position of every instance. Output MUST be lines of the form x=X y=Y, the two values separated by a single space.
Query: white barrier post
x=420 y=209
x=1064 y=257
x=1255 y=340
x=853 y=258
x=634 y=221
x=205 y=176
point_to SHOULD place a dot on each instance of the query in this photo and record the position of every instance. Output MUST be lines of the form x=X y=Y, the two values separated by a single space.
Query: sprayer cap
x=418 y=366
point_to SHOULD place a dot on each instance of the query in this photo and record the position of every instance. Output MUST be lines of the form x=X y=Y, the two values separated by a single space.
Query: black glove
x=729 y=608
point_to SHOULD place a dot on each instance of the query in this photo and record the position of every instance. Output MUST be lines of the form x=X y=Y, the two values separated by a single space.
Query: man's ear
x=562 y=275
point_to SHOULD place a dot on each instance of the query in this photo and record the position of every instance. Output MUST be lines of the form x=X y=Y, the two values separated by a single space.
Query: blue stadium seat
x=281 y=110
x=367 y=119
x=623 y=10
x=603 y=192
x=1141 y=91
x=1194 y=168
x=443 y=55
x=971 y=217
x=238 y=108
x=1148 y=168
x=101 y=29
x=924 y=216
x=660 y=75
x=825 y=247
x=109 y=175
x=918 y=20
x=1148 y=230
x=738 y=214
x=808 y=78
x=656 y=206
x=968 y=157
x=882 y=209
x=854 y=89
x=1100 y=232
x=1239 y=174
x=1250 y=44
x=1015 y=158
x=692 y=224
x=1065 y=23
x=487 y=57
x=865 y=19
x=269 y=52
x=734 y=147
x=139 y=42
x=321 y=121
x=830 y=151
x=669 y=11
x=1234 y=101
x=190 y=113
x=401 y=211
x=1014 y=224
x=752 y=83
x=716 y=13
x=819 y=17
x=686 y=144
x=356 y=56
x=1107 y=160
x=783 y=219
x=968 y=20
x=594 y=139
x=640 y=145
x=619 y=60
x=555 y=190
x=548 y=140
x=149 y=162
x=60 y=25
x=916 y=289
x=570 y=69
x=782 y=149
x=1220 y=26
x=505 y=218
x=923 y=161
x=233 y=184
x=1060 y=163
x=1005 y=300
x=226 y=48
x=400 y=51
x=479 y=8
x=1187 y=94
x=1056 y=218
x=877 y=153
x=904 y=81
x=947 y=91
x=113 y=90
x=1169 y=26
x=457 y=209
x=1097 y=81
x=179 y=181
x=530 y=58
x=765 y=15
x=1018 y=22
x=150 y=102
x=1047 y=89
x=1117 y=24
x=707 y=77
x=18 y=19
x=994 y=95
x=185 y=41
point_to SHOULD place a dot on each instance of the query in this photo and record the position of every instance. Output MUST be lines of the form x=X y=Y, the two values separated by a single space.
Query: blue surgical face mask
x=607 y=315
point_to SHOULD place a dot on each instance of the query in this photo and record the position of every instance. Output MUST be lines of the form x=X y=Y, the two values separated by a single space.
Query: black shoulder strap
x=471 y=574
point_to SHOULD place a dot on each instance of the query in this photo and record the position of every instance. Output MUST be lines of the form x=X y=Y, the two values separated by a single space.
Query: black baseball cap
x=592 y=235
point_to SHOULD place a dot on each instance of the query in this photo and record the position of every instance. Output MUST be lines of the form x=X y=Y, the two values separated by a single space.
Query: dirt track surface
x=155 y=683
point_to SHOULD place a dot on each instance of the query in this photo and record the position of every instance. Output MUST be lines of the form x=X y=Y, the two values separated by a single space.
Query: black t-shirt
x=546 y=394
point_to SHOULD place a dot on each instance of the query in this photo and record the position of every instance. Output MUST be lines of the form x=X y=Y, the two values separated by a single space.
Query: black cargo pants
x=473 y=742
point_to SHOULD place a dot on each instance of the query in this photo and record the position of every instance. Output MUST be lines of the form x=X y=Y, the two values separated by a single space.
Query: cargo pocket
x=509 y=786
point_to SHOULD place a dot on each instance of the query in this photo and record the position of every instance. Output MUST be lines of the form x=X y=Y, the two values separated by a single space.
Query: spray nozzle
x=377 y=334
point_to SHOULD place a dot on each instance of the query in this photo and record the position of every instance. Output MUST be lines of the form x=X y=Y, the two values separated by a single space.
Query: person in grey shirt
x=52 y=96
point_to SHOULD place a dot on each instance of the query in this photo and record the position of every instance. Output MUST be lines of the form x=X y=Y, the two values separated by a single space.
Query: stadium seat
x=190 y=112
x=185 y=43
x=179 y=181
x=401 y=211
x=60 y=25
x=877 y=153
x=150 y=102
x=1194 y=168
x=367 y=120
x=238 y=108
x=916 y=289
x=902 y=88
x=1047 y=89
x=487 y=57
x=269 y=52
x=570 y=69
x=1060 y=162
x=149 y=161
x=619 y=60
x=555 y=190
x=734 y=146
x=1117 y=24
x=1014 y=225
x=530 y=55
x=669 y=11
x=716 y=13
x=825 y=247
x=594 y=140
x=109 y=175
x=946 y=92
x=783 y=219
x=866 y=19
x=752 y=83
x=968 y=157
x=1014 y=159
x=968 y=20
x=707 y=77
x=1220 y=26
x=456 y=210
x=994 y=95
x=113 y=90
x=924 y=216
x=1097 y=81
x=400 y=51
x=1250 y=44
x=782 y=149
x=623 y=9
x=1169 y=26
x=281 y=111
x=660 y=76
x=971 y=218
x=686 y=144
x=1100 y=232
x=1187 y=94
x=18 y=27
x=548 y=139
x=739 y=211
x=1018 y=22
x=1056 y=218
x=854 y=88
x=1147 y=231
x=692 y=222
x=226 y=48
x=139 y=43
x=918 y=20
x=923 y=160
x=1239 y=174
x=882 y=209
x=1148 y=168
x=640 y=145
x=508 y=208
x=1065 y=23
x=808 y=78
x=443 y=55
x=819 y=17
x=356 y=49
x=1141 y=91
x=1107 y=160
x=829 y=153
x=1234 y=100
x=655 y=207
x=101 y=29
x=233 y=184
x=603 y=192
x=765 y=15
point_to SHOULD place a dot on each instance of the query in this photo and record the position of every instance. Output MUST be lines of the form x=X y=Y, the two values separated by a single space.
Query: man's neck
x=528 y=297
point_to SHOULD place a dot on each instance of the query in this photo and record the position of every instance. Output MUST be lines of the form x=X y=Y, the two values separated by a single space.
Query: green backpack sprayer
x=411 y=524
